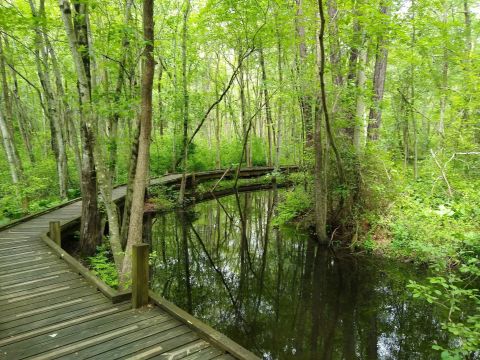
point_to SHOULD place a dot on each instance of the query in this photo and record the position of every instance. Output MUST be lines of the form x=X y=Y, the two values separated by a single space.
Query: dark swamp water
x=275 y=292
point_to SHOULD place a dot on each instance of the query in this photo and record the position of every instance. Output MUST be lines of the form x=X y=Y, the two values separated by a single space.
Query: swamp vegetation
x=375 y=239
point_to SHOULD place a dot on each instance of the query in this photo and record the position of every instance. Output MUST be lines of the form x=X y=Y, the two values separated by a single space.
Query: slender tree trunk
x=412 y=97
x=468 y=60
x=161 y=125
x=243 y=109
x=335 y=52
x=379 y=75
x=280 y=101
x=24 y=124
x=141 y=173
x=77 y=37
x=321 y=155
x=218 y=155
x=7 y=102
x=9 y=147
x=14 y=161
x=443 y=96
x=53 y=112
x=359 y=135
x=127 y=206
x=305 y=97
x=268 y=111
x=185 y=108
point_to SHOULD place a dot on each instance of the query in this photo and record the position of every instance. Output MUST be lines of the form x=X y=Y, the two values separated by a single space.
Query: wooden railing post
x=55 y=232
x=139 y=275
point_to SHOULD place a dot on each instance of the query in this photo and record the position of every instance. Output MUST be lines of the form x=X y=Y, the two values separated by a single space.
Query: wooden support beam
x=139 y=275
x=55 y=232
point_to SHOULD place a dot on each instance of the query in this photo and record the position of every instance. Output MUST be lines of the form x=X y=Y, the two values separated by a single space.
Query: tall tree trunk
x=69 y=128
x=218 y=154
x=246 y=124
x=135 y=227
x=24 y=125
x=53 y=112
x=305 y=97
x=14 y=161
x=412 y=96
x=77 y=37
x=335 y=52
x=6 y=92
x=9 y=147
x=132 y=166
x=468 y=85
x=185 y=107
x=321 y=155
x=379 y=75
x=268 y=110
x=281 y=99
x=161 y=124
x=359 y=135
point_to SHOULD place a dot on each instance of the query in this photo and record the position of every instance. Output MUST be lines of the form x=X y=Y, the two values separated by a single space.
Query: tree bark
x=379 y=76
x=185 y=108
x=14 y=161
x=359 y=133
x=305 y=98
x=268 y=111
x=77 y=37
x=141 y=173
x=53 y=112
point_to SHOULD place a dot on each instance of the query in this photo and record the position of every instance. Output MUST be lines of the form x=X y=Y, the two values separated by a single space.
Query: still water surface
x=278 y=294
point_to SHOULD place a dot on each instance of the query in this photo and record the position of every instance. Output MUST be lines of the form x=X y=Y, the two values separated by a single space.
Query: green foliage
x=103 y=266
x=296 y=203
x=454 y=293
x=162 y=197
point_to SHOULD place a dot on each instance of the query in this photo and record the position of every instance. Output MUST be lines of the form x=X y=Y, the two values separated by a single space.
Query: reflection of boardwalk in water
x=274 y=291
x=50 y=312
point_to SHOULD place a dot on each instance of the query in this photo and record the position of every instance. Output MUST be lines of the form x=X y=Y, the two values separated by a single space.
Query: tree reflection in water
x=277 y=293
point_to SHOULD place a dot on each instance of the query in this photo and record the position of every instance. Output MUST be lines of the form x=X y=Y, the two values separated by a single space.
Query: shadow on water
x=277 y=293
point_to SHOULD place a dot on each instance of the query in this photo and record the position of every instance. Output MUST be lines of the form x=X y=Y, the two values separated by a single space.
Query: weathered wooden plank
x=11 y=273
x=6 y=248
x=26 y=263
x=8 y=239
x=49 y=297
x=45 y=271
x=42 y=290
x=225 y=357
x=23 y=254
x=113 y=348
x=43 y=312
x=74 y=334
x=33 y=284
x=161 y=347
x=8 y=273
x=204 y=354
x=182 y=351
x=59 y=325
x=84 y=343
x=20 y=325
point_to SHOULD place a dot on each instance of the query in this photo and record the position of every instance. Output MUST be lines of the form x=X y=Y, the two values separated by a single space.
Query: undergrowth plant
x=103 y=266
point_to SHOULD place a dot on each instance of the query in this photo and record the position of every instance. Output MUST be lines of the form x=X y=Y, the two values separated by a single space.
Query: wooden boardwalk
x=48 y=311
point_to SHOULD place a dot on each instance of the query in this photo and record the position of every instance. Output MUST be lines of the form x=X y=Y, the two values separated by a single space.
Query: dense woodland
x=378 y=102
